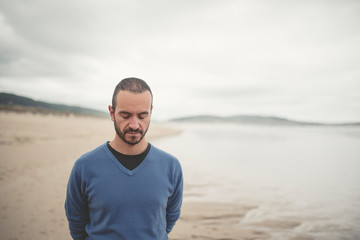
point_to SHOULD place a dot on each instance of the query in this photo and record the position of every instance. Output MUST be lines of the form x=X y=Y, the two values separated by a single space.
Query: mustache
x=129 y=130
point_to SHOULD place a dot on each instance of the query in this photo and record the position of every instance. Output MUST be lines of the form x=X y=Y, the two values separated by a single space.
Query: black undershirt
x=129 y=161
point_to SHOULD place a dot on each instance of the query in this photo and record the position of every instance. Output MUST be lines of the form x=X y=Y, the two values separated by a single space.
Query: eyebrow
x=126 y=112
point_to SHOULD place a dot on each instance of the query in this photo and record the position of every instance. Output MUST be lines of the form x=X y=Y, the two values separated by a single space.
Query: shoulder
x=164 y=157
x=162 y=154
x=91 y=158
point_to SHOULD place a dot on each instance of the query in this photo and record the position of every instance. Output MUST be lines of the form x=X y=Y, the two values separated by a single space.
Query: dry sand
x=37 y=153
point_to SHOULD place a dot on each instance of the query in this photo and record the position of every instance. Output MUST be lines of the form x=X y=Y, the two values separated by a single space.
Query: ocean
x=309 y=174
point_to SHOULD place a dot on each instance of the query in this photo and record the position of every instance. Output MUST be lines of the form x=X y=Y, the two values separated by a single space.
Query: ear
x=111 y=111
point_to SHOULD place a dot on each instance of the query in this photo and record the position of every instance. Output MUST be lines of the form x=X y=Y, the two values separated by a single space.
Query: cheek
x=142 y=124
x=119 y=123
x=146 y=121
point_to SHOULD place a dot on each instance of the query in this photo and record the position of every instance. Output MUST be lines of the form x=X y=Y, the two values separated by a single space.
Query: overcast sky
x=294 y=59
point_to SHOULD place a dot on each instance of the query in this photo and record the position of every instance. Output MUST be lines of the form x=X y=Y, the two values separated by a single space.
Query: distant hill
x=12 y=102
x=251 y=119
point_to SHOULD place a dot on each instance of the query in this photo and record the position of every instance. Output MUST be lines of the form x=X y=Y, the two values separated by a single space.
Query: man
x=126 y=188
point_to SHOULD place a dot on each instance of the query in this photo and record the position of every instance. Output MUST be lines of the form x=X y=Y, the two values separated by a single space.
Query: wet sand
x=37 y=153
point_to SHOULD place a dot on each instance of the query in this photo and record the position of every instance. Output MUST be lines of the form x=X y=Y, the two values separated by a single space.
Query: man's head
x=131 y=110
x=134 y=85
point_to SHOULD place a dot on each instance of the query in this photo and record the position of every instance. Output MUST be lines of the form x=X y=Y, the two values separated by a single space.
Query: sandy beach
x=37 y=154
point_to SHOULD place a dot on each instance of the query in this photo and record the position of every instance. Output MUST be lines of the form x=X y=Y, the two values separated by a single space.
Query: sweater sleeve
x=174 y=202
x=76 y=207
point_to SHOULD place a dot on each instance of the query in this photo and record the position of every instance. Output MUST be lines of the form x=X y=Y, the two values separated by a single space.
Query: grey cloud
x=266 y=54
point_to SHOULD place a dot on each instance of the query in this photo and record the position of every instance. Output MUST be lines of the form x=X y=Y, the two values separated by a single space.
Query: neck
x=128 y=149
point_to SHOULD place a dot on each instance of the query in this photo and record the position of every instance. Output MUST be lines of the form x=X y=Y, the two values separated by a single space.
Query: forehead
x=129 y=101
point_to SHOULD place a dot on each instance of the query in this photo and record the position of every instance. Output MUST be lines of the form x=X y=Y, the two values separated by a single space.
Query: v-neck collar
x=124 y=169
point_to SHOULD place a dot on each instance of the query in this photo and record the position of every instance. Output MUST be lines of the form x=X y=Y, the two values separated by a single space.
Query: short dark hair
x=134 y=85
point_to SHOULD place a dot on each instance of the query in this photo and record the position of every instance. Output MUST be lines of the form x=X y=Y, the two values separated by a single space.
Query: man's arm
x=174 y=203
x=76 y=207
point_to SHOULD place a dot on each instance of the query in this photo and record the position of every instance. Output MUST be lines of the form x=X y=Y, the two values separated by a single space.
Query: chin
x=132 y=141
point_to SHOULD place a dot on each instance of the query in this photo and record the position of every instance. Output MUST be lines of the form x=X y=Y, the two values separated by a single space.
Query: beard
x=133 y=139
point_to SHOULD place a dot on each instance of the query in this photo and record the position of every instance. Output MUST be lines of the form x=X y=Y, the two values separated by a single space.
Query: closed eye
x=142 y=115
x=125 y=115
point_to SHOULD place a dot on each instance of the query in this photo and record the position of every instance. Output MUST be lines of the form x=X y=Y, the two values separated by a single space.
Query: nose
x=134 y=125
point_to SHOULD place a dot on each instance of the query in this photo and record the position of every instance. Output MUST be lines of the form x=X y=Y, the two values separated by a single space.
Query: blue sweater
x=106 y=201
